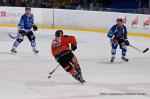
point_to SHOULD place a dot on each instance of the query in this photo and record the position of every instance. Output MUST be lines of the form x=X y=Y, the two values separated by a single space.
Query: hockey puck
x=49 y=76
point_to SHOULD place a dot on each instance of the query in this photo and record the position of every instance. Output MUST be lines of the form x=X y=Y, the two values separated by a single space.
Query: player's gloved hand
x=22 y=32
x=73 y=47
x=127 y=42
x=35 y=28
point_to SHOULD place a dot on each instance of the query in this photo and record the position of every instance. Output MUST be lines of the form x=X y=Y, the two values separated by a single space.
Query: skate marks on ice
x=106 y=61
x=45 y=86
x=69 y=89
x=19 y=53
x=102 y=61
x=5 y=53
x=52 y=82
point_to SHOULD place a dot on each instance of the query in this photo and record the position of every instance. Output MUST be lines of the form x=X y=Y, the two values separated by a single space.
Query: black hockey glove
x=127 y=42
x=35 y=28
x=22 y=32
x=73 y=47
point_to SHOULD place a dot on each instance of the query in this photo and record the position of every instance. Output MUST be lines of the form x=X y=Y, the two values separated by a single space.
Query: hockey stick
x=12 y=36
x=144 y=51
x=53 y=71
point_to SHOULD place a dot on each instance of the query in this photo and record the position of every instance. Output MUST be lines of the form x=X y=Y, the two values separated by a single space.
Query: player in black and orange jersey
x=62 y=47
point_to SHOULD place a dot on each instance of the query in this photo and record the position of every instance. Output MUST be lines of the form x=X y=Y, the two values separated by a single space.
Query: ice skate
x=112 y=59
x=125 y=59
x=13 y=51
x=35 y=51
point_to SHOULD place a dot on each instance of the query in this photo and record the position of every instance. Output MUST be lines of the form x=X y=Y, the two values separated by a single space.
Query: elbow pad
x=73 y=47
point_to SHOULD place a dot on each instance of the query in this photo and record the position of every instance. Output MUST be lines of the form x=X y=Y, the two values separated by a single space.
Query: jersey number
x=56 y=42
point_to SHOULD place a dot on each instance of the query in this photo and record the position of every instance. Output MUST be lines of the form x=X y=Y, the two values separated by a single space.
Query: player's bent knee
x=114 y=46
x=32 y=37
x=68 y=68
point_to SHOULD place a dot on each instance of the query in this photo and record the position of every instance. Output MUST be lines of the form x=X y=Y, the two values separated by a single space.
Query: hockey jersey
x=60 y=44
x=119 y=32
x=26 y=22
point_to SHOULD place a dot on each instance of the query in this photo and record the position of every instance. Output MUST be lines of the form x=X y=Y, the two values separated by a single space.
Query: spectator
x=11 y=2
x=5 y=2
x=81 y=2
x=63 y=6
x=91 y=6
x=28 y=3
x=97 y=7
x=79 y=7
x=17 y=3
x=144 y=10
x=44 y=3
x=86 y=5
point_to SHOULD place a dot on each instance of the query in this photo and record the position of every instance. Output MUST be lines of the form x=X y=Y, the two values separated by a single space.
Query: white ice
x=24 y=75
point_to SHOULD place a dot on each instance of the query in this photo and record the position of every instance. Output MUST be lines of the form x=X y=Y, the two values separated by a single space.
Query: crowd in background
x=63 y=4
x=94 y=5
x=18 y=3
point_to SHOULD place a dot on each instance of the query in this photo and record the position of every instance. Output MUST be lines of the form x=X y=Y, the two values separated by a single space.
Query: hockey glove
x=35 y=28
x=127 y=42
x=22 y=32
x=73 y=47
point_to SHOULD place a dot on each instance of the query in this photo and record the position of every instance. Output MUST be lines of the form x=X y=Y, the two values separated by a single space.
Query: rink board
x=93 y=21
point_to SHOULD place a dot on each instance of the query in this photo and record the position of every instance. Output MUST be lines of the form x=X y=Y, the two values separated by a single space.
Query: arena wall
x=94 y=21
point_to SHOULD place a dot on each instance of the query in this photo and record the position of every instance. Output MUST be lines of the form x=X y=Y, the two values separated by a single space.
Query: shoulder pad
x=65 y=35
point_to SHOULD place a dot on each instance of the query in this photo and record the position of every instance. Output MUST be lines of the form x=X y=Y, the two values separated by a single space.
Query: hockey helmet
x=27 y=8
x=119 y=19
x=58 y=33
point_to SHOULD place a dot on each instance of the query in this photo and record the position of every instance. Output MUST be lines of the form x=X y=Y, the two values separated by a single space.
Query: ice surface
x=24 y=75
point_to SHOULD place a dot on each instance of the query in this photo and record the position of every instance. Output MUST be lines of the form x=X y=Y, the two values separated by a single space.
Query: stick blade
x=145 y=50
x=12 y=36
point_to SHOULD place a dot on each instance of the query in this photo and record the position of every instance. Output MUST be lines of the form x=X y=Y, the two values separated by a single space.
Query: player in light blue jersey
x=25 y=28
x=118 y=36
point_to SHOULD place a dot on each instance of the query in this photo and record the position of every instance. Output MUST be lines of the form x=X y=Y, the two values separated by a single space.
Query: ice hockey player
x=25 y=29
x=62 y=47
x=118 y=36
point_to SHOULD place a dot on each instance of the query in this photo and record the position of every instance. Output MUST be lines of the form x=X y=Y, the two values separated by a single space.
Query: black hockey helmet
x=58 y=33
x=27 y=8
x=119 y=19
